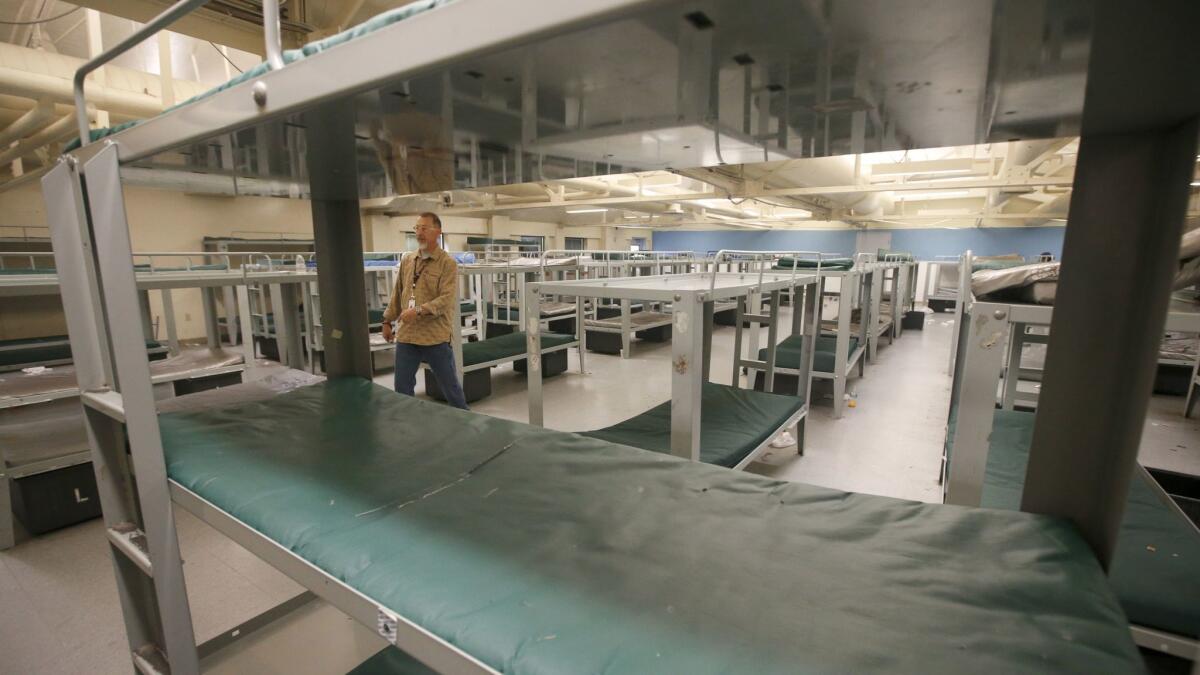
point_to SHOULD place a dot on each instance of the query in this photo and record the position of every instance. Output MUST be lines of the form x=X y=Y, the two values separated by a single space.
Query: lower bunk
x=481 y=545
x=1156 y=566
x=736 y=425
x=480 y=356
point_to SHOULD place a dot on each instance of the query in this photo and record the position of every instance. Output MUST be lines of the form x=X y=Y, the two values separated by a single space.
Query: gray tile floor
x=58 y=606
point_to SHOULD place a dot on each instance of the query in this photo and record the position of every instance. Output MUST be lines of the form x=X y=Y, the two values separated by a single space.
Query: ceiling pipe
x=39 y=86
x=210 y=183
x=1019 y=157
x=35 y=119
x=55 y=132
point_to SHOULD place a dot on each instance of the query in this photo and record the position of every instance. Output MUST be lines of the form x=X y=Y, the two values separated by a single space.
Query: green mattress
x=787 y=353
x=44 y=349
x=538 y=551
x=733 y=423
x=506 y=346
x=1156 y=567
x=810 y=264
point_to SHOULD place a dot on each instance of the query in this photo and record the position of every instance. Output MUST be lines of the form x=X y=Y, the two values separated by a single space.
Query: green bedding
x=26 y=270
x=787 y=263
x=506 y=346
x=733 y=422
x=43 y=349
x=538 y=551
x=787 y=353
x=1156 y=567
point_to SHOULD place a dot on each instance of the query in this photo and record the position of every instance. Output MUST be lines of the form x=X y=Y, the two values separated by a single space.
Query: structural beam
x=1136 y=158
x=337 y=235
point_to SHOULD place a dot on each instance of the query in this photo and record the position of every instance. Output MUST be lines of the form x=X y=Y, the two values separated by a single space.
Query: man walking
x=421 y=300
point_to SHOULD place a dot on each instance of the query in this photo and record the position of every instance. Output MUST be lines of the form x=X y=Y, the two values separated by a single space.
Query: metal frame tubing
x=337 y=233
x=110 y=238
x=1130 y=195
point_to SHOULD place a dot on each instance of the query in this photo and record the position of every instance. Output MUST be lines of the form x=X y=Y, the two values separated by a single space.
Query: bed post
x=337 y=237
x=1136 y=157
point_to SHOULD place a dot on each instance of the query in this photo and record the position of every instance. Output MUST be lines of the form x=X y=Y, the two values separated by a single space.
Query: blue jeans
x=441 y=361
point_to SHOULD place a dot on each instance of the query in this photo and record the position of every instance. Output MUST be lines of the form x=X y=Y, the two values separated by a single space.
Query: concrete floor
x=58 y=603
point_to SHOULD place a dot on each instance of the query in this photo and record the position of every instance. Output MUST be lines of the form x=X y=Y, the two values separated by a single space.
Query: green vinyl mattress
x=539 y=551
x=838 y=264
x=48 y=349
x=787 y=352
x=733 y=423
x=1156 y=567
x=507 y=346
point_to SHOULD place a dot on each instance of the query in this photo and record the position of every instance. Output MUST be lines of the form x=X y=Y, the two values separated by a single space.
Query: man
x=425 y=288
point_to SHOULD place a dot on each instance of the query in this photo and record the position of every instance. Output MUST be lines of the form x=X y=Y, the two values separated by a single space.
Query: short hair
x=432 y=216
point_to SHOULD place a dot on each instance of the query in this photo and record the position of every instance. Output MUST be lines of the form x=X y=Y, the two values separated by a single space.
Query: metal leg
x=337 y=232
x=581 y=331
x=1140 y=177
x=232 y=318
x=687 y=350
x=211 y=330
x=243 y=316
x=533 y=352
x=7 y=528
x=841 y=369
x=708 y=332
x=739 y=313
x=772 y=341
x=1012 y=372
x=627 y=327
x=169 y=318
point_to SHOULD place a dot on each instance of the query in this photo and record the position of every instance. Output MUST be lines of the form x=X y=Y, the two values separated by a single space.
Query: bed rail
x=172 y=14
x=762 y=256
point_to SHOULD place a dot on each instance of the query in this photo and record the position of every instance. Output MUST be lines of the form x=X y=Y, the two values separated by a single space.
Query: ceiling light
x=1196 y=183
x=944 y=194
x=600 y=210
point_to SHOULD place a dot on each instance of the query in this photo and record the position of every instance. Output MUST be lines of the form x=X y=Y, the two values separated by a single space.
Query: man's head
x=428 y=230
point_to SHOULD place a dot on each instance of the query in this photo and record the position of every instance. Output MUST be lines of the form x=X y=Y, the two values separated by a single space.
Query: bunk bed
x=706 y=421
x=842 y=344
x=987 y=451
x=442 y=543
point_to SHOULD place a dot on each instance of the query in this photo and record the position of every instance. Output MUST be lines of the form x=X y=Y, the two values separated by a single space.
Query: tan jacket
x=436 y=289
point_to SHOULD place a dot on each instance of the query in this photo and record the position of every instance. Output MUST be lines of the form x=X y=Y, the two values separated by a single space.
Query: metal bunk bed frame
x=692 y=297
x=1147 y=146
x=982 y=364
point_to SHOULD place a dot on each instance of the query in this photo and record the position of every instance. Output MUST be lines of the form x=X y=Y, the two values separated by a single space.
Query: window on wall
x=637 y=244
x=410 y=241
x=532 y=242
x=576 y=244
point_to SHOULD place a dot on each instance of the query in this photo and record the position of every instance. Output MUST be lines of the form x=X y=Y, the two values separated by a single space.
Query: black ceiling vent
x=743 y=59
x=475 y=74
x=774 y=87
x=699 y=20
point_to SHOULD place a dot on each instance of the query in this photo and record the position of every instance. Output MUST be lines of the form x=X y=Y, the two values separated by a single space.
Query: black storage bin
x=55 y=499
x=614 y=311
x=554 y=363
x=656 y=334
x=563 y=325
x=603 y=343
x=198 y=384
x=914 y=320
x=1172 y=380
x=497 y=329
x=477 y=384
x=939 y=305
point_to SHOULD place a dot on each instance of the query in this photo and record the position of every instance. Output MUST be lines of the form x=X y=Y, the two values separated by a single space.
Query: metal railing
x=765 y=256
x=271 y=31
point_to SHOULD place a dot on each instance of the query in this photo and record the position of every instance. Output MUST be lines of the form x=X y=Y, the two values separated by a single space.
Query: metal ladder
x=95 y=266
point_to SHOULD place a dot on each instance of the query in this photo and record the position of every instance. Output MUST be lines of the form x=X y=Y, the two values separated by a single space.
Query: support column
x=1136 y=158
x=337 y=234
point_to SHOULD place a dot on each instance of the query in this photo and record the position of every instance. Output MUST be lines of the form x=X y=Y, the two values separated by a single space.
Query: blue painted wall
x=834 y=241
x=1027 y=241
x=924 y=244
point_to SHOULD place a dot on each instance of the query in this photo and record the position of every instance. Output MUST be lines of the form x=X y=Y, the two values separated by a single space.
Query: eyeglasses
x=424 y=228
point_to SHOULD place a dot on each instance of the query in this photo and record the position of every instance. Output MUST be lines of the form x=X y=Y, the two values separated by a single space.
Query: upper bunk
x=463 y=93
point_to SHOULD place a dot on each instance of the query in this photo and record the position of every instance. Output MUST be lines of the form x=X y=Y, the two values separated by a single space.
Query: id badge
x=412 y=303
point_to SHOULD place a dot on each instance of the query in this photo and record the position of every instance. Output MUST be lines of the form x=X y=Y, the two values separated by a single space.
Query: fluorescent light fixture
x=1196 y=183
x=944 y=194
x=597 y=210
